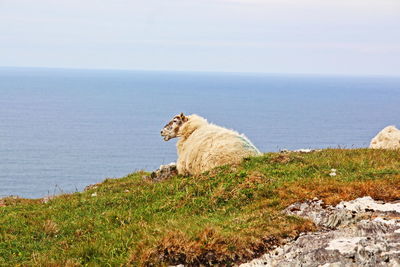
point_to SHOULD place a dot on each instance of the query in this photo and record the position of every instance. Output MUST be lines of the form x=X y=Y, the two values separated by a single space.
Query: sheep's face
x=171 y=129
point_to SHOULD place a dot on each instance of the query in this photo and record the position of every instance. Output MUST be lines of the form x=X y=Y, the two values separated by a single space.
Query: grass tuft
x=50 y=228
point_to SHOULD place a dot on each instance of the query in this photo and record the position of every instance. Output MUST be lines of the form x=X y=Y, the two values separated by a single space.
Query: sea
x=63 y=129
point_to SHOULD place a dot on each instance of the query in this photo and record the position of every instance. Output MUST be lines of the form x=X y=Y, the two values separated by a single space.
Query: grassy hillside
x=228 y=215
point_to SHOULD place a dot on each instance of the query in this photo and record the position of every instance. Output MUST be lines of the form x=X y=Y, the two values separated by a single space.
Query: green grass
x=228 y=215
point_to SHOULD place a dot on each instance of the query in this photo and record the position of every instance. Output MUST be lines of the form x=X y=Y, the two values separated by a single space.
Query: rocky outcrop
x=388 y=138
x=302 y=150
x=164 y=172
x=362 y=232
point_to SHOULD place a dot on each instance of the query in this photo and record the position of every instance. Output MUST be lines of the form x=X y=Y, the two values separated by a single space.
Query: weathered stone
x=302 y=150
x=368 y=204
x=92 y=186
x=388 y=138
x=47 y=199
x=164 y=172
x=362 y=232
x=305 y=150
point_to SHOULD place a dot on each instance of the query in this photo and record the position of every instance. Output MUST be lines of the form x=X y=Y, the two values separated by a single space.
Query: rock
x=368 y=204
x=388 y=138
x=362 y=232
x=164 y=172
x=324 y=216
x=47 y=199
x=92 y=186
x=302 y=150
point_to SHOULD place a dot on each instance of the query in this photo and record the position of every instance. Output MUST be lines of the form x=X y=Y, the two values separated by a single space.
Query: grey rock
x=91 y=186
x=302 y=150
x=164 y=172
x=362 y=232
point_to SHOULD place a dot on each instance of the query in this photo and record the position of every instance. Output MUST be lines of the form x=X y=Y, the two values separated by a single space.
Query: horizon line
x=203 y=71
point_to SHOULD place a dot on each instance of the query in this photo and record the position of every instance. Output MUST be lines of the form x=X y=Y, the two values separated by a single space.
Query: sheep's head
x=171 y=129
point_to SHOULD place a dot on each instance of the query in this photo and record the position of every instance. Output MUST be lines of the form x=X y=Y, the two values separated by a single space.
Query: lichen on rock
x=362 y=232
x=164 y=172
x=388 y=138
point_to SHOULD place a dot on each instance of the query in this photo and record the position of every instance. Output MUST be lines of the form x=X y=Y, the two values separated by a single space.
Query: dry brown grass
x=44 y=261
x=15 y=200
x=211 y=248
x=50 y=228
x=334 y=191
x=281 y=158
x=208 y=248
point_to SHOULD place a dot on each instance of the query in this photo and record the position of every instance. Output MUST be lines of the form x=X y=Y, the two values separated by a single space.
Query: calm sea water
x=61 y=130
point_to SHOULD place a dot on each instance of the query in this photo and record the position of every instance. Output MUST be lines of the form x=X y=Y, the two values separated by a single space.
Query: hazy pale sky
x=274 y=36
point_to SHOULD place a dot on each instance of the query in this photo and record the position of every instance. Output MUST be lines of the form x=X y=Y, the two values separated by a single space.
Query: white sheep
x=203 y=146
x=388 y=138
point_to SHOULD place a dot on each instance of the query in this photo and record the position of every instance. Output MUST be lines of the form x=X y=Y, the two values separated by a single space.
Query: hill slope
x=228 y=215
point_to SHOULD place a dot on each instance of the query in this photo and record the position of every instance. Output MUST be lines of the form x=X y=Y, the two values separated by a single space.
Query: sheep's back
x=213 y=146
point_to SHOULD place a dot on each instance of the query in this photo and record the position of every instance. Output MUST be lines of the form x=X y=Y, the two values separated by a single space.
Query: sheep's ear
x=183 y=117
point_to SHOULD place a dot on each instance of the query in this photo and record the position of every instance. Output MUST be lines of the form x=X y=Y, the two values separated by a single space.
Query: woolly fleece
x=203 y=146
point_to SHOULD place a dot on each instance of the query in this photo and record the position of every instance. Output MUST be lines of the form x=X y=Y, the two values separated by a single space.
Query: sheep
x=388 y=138
x=203 y=146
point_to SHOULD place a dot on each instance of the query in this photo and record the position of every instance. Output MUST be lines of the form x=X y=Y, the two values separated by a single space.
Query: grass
x=228 y=215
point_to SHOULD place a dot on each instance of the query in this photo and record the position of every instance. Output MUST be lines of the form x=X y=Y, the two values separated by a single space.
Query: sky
x=352 y=37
